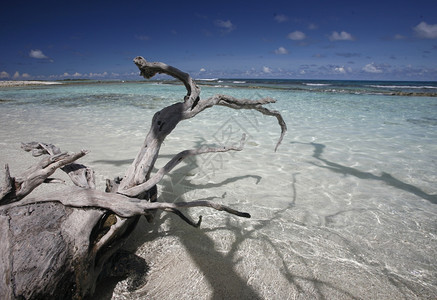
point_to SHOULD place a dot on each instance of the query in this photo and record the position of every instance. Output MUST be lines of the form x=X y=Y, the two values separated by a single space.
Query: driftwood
x=55 y=246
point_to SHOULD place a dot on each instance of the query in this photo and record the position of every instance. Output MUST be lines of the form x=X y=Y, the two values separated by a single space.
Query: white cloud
x=202 y=70
x=296 y=35
x=281 y=50
x=281 y=18
x=226 y=25
x=371 y=68
x=267 y=70
x=25 y=75
x=426 y=31
x=16 y=75
x=342 y=36
x=76 y=74
x=4 y=75
x=93 y=75
x=37 y=54
x=340 y=70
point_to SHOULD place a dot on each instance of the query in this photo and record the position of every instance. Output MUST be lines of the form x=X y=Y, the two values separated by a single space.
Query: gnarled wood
x=118 y=204
x=20 y=187
x=150 y=69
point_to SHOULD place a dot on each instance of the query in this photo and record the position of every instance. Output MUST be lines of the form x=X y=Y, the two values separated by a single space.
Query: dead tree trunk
x=55 y=246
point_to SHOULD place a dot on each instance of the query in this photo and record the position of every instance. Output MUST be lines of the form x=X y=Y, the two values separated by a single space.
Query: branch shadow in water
x=254 y=234
x=384 y=177
x=217 y=268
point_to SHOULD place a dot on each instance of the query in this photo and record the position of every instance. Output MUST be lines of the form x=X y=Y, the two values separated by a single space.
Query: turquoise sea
x=345 y=209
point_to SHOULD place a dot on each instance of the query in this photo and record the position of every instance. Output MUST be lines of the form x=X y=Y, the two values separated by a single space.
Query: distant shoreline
x=387 y=88
x=26 y=82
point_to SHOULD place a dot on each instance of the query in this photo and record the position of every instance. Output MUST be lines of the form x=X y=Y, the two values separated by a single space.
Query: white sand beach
x=26 y=82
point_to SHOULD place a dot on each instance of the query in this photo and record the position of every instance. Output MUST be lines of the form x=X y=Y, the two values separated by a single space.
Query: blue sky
x=371 y=40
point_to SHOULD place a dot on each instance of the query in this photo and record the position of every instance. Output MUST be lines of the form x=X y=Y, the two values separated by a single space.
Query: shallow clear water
x=347 y=207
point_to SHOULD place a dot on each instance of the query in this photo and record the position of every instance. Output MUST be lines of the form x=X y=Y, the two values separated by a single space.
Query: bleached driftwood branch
x=55 y=246
x=150 y=69
x=15 y=189
x=120 y=205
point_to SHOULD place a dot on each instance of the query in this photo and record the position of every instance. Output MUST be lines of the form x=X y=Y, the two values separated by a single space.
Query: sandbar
x=9 y=83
